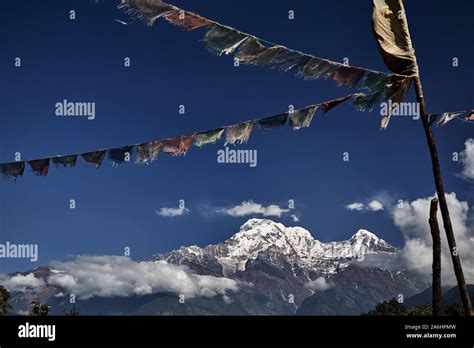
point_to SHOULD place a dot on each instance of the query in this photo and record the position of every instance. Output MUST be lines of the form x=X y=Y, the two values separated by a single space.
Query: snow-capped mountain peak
x=266 y=238
x=258 y=235
x=370 y=241
x=364 y=234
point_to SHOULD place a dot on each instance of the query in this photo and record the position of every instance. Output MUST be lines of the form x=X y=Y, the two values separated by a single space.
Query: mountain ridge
x=302 y=249
x=279 y=271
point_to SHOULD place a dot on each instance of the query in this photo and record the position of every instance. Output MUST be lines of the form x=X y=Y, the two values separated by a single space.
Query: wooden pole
x=425 y=118
x=442 y=199
x=436 y=257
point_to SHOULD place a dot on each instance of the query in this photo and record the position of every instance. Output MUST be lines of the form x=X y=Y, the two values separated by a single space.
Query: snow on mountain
x=259 y=237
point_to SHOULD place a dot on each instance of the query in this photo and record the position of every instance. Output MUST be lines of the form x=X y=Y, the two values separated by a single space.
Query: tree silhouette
x=39 y=309
x=392 y=307
x=455 y=309
x=423 y=310
x=5 y=296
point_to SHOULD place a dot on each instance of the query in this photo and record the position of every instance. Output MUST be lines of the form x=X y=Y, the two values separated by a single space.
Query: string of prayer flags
x=120 y=155
x=302 y=118
x=148 y=152
x=239 y=133
x=308 y=67
x=94 y=157
x=274 y=122
x=249 y=49
x=40 y=167
x=208 y=137
x=65 y=161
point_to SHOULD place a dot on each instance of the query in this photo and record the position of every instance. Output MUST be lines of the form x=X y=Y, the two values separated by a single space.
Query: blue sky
x=82 y=60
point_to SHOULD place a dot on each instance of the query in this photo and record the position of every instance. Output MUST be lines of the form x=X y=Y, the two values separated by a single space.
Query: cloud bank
x=412 y=219
x=21 y=283
x=118 y=276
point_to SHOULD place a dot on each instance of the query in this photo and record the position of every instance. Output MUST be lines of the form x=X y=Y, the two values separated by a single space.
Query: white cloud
x=412 y=219
x=320 y=284
x=355 y=206
x=118 y=276
x=251 y=208
x=21 y=283
x=375 y=206
x=110 y=276
x=467 y=160
x=172 y=212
